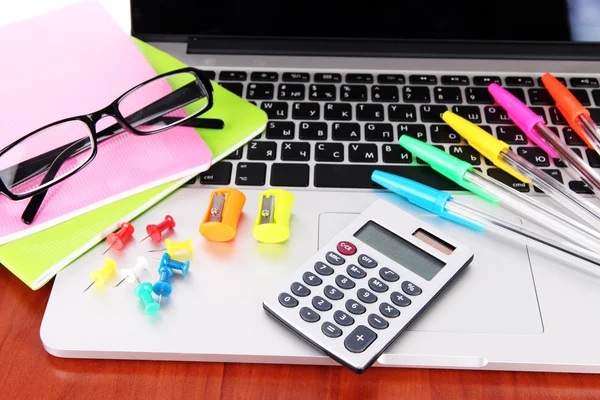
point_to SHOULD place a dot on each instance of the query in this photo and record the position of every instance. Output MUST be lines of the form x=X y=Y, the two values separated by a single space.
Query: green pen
x=466 y=176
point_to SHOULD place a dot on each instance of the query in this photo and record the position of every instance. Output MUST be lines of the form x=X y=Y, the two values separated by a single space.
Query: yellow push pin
x=272 y=223
x=174 y=248
x=104 y=274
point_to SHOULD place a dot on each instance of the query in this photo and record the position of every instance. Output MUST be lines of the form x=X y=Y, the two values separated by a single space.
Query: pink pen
x=536 y=130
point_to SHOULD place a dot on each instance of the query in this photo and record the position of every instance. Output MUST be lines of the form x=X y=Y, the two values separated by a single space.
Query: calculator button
x=346 y=248
x=377 y=322
x=388 y=310
x=388 y=275
x=309 y=315
x=400 y=300
x=299 y=289
x=321 y=304
x=355 y=272
x=331 y=330
x=323 y=268
x=377 y=286
x=334 y=259
x=333 y=293
x=360 y=339
x=411 y=288
x=366 y=261
x=311 y=279
x=365 y=296
x=342 y=318
x=344 y=282
x=355 y=307
x=287 y=300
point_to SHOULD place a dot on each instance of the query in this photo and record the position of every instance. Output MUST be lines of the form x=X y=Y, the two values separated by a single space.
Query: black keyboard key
x=518 y=93
x=466 y=153
x=472 y=113
x=322 y=92
x=556 y=117
x=422 y=79
x=593 y=158
x=541 y=112
x=369 y=112
x=508 y=180
x=291 y=91
x=384 y=93
x=295 y=151
x=553 y=173
x=391 y=78
x=580 y=187
x=572 y=138
x=415 y=130
x=190 y=181
x=333 y=293
x=328 y=77
x=596 y=96
x=281 y=130
x=363 y=153
x=344 y=282
x=342 y=318
x=217 y=174
x=323 y=269
x=311 y=279
x=338 y=112
x=359 y=339
x=313 y=131
x=365 y=296
x=275 y=109
x=233 y=76
x=262 y=151
x=321 y=304
x=415 y=94
x=395 y=154
x=330 y=330
x=359 y=176
x=540 y=97
x=433 y=113
x=355 y=307
x=447 y=94
x=534 y=155
x=479 y=95
x=582 y=96
x=379 y=133
x=288 y=300
x=561 y=80
x=378 y=286
x=486 y=80
x=250 y=174
x=388 y=275
x=402 y=113
x=296 y=77
x=584 y=82
x=595 y=114
x=233 y=87
x=443 y=134
x=377 y=321
x=236 y=155
x=359 y=78
x=260 y=91
x=345 y=131
x=306 y=111
x=210 y=74
x=496 y=115
x=260 y=76
x=355 y=271
x=353 y=93
x=511 y=134
x=455 y=80
x=309 y=315
x=329 y=152
x=293 y=175
x=519 y=81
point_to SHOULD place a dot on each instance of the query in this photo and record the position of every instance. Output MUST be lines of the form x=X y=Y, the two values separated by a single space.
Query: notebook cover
x=88 y=61
x=37 y=258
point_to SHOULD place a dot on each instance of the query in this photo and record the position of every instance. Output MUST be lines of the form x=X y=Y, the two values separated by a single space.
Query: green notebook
x=37 y=258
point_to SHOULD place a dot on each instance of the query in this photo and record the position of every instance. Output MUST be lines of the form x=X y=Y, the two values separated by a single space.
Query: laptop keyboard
x=331 y=130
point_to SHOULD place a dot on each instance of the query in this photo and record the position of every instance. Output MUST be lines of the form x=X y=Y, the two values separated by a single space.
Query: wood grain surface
x=28 y=372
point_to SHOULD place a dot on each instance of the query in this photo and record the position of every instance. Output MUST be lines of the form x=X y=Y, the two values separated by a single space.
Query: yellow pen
x=500 y=154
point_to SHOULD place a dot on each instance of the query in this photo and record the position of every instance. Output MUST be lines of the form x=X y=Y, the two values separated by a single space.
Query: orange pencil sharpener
x=221 y=219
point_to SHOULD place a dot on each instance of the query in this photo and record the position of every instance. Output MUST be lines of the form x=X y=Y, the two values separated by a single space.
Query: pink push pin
x=120 y=238
x=155 y=231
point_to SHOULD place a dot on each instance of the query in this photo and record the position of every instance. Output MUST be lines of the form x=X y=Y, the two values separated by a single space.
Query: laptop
x=340 y=83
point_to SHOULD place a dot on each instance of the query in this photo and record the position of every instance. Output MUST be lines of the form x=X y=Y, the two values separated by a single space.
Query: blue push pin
x=163 y=287
x=168 y=262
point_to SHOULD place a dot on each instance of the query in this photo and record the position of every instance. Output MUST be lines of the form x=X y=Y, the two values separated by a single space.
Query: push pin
x=132 y=274
x=173 y=248
x=119 y=239
x=104 y=274
x=144 y=292
x=163 y=287
x=273 y=220
x=156 y=231
x=222 y=216
x=182 y=266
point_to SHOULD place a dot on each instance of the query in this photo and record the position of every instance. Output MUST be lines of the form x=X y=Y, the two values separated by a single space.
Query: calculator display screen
x=400 y=250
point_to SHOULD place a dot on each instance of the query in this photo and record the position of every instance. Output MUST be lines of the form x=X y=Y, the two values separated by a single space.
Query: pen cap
x=482 y=141
x=451 y=167
x=272 y=223
x=222 y=215
x=567 y=104
x=521 y=115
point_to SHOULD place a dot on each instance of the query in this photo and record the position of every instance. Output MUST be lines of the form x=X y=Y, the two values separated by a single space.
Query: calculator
x=359 y=292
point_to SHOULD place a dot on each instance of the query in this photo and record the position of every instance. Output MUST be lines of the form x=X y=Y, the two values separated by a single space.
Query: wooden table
x=28 y=372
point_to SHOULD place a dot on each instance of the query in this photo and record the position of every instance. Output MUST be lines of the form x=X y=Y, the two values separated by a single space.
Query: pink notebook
x=75 y=61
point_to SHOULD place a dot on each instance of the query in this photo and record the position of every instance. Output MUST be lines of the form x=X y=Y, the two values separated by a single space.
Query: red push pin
x=118 y=240
x=155 y=231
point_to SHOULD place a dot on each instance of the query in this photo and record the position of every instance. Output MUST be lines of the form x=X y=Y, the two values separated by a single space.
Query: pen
x=500 y=154
x=463 y=174
x=444 y=205
x=535 y=128
x=574 y=112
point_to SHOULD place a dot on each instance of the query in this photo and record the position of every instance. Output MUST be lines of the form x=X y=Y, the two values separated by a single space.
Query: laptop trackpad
x=494 y=294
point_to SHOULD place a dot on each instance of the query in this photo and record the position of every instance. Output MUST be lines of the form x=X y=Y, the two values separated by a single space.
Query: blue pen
x=444 y=205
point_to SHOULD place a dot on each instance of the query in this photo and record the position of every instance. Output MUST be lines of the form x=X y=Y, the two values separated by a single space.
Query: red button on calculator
x=346 y=248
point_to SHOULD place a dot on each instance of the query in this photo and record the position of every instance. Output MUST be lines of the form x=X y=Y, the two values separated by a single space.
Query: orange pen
x=220 y=221
x=575 y=114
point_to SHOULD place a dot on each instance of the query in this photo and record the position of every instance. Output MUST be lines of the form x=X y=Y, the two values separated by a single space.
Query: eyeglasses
x=53 y=153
